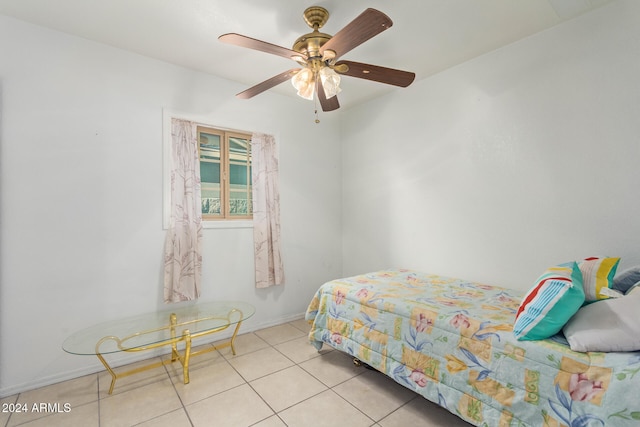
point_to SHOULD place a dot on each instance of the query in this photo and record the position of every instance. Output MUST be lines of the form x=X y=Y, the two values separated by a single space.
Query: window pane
x=210 y=199
x=210 y=173
x=239 y=145
x=209 y=146
x=239 y=177
x=238 y=174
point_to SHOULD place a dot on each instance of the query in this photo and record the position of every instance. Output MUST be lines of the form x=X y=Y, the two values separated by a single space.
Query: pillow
x=545 y=309
x=626 y=279
x=597 y=273
x=635 y=288
x=610 y=325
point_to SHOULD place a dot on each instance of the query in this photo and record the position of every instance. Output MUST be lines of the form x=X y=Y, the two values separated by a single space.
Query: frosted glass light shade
x=330 y=82
x=304 y=83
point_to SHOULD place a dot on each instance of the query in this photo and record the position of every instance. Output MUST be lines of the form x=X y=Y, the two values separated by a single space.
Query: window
x=225 y=174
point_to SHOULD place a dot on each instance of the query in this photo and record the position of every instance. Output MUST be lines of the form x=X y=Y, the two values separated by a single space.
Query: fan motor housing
x=310 y=44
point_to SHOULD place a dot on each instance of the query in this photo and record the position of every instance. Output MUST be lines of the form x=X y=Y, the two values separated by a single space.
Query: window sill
x=227 y=224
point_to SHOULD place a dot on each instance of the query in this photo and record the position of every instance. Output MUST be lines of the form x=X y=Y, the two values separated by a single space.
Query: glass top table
x=169 y=327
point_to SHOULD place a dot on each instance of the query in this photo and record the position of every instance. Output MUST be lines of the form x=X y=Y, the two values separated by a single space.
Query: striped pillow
x=597 y=273
x=556 y=296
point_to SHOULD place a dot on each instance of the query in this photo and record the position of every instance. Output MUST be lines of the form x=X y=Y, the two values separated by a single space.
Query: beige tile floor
x=276 y=379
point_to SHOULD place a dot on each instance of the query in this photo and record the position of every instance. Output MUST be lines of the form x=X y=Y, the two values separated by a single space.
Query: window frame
x=167 y=116
x=225 y=166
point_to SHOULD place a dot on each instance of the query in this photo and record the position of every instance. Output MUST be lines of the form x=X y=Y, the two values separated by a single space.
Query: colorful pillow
x=545 y=309
x=597 y=273
x=610 y=325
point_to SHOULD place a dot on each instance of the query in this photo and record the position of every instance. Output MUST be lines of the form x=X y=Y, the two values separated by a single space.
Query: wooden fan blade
x=378 y=74
x=326 y=104
x=369 y=23
x=267 y=84
x=244 y=41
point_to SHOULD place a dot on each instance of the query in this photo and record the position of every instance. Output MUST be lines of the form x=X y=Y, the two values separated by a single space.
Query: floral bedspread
x=451 y=341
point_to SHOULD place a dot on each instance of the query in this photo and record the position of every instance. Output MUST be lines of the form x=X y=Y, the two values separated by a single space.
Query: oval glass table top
x=137 y=332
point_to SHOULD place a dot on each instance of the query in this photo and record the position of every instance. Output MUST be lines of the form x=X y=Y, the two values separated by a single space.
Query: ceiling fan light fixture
x=330 y=82
x=304 y=83
x=318 y=54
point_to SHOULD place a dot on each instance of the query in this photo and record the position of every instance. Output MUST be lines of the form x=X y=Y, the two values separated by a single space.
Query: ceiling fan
x=318 y=55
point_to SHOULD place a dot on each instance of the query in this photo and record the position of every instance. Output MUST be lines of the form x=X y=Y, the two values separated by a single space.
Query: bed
x=452 y=342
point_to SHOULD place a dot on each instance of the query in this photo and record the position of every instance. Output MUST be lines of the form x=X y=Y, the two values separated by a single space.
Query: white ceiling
x=427 y=36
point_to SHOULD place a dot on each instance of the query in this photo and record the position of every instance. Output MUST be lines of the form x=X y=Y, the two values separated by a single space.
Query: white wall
x=507 y=164
x=81 y=196
x=489 y=171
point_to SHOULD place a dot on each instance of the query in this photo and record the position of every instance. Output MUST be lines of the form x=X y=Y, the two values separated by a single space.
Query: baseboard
x=128 y=358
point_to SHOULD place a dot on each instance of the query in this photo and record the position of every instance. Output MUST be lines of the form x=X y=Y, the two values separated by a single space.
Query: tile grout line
x=400 y=407
x=175 y=389
x=99 y=400
x=273 y=346
x=352 y=405
x=11 y=413
x=277 y=413
x=247 y=383
x=328 y=388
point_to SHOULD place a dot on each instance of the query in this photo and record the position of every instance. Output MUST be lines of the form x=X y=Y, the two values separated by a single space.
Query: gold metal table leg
x=104 y=362
x=187 y=354
x=114 y=375
x=173 y=320
x=231 y=342
x=233 y=339
x=173 y=342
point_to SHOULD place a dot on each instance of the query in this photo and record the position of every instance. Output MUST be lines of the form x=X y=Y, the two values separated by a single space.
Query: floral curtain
x=183 y=244
x=269 y=270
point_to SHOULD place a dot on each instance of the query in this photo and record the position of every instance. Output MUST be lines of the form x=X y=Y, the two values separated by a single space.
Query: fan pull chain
x=315 y=101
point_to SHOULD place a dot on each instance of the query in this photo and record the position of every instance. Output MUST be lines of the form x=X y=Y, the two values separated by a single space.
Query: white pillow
x=607 y=325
